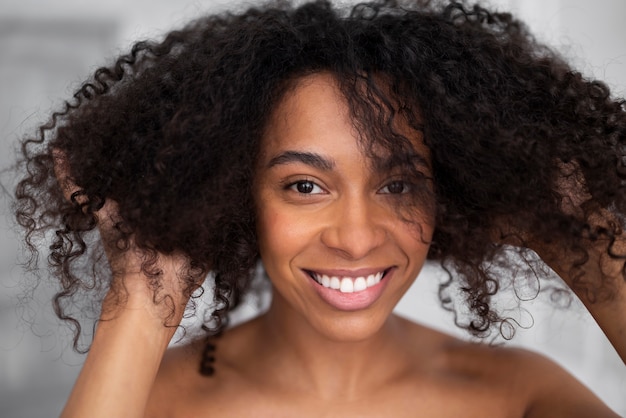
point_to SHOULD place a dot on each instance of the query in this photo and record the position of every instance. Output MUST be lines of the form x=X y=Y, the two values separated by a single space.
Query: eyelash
x=406 y=187
x=296 y=187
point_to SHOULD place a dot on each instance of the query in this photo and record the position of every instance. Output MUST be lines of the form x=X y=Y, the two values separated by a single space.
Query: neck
x=333 y=369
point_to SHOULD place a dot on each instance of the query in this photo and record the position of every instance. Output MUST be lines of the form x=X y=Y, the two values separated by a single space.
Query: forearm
x=608 y=309
x=600 y=286
x=121 y=366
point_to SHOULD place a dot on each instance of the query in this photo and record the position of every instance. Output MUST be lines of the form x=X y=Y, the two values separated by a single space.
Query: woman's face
x=331 y=239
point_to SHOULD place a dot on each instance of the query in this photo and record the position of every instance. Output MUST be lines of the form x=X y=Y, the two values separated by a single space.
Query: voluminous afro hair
x=170 y=132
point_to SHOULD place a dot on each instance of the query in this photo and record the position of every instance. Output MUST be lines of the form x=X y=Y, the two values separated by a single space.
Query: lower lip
x=351 y=301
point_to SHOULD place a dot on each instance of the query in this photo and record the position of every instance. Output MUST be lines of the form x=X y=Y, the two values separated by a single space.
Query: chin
x=351 y=327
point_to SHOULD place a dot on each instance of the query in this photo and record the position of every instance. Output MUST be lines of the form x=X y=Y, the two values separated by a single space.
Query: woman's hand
x=141 y=279
x=595 y=268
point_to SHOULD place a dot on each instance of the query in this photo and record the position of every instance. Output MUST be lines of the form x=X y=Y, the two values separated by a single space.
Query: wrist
x=145 y=314
x=136 y=325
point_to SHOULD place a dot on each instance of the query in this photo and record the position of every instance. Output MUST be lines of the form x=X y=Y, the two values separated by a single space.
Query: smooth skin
x=323 y=208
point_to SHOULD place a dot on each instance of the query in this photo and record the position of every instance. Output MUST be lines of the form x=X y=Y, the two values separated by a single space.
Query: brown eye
x=306 y=187
x=395 y=187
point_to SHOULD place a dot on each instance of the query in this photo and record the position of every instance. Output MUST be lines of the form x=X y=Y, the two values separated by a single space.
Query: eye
x=306 y=187
x=395 y=187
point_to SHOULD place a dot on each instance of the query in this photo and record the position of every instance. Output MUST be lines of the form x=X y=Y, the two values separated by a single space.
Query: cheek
x=422 y=239
x=281 y=234
x=415 y=242
x=419 y=234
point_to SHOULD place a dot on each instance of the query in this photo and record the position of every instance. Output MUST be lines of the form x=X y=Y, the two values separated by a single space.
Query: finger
x=62 y=172
x=572 y=186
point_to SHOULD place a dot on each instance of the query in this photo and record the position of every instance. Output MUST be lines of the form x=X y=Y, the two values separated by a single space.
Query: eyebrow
x=308 y=158
x=408 y=160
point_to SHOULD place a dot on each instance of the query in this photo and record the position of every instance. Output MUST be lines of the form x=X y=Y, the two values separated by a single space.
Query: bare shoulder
x=521 y=379
x=180 y=390
x=179 y=383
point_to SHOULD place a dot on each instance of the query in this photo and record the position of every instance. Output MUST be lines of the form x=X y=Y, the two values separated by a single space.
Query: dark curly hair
x=171 y=133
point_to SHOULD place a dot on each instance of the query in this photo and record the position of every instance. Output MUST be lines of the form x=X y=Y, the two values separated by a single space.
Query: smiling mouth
x=348 y=284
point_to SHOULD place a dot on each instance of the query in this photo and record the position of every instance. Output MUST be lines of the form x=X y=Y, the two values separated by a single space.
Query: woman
x=341 y=150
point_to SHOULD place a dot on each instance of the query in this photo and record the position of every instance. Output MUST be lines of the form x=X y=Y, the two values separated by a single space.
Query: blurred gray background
x=48 y=47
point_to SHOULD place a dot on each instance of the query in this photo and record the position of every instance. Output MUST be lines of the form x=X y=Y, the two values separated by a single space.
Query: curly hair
x=171 y=132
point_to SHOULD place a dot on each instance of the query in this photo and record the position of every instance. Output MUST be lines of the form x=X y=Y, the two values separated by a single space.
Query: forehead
x=315 y=112
x=313 y=106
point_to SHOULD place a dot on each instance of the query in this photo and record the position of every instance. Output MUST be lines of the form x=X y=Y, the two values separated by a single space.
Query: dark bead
x=207 y=370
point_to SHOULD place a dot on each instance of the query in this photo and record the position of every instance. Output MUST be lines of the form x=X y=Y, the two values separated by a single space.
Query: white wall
x=590 y=33
x=57 y=43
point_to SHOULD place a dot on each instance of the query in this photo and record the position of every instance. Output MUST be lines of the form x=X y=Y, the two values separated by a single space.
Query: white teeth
x=360 y=284
x=325 y=281
x=348 y=284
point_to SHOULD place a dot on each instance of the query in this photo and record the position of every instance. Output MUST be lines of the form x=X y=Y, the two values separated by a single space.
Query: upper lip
x=360 y=272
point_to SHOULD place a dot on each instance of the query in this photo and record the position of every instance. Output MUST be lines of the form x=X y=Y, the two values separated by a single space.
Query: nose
x=355 y=228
